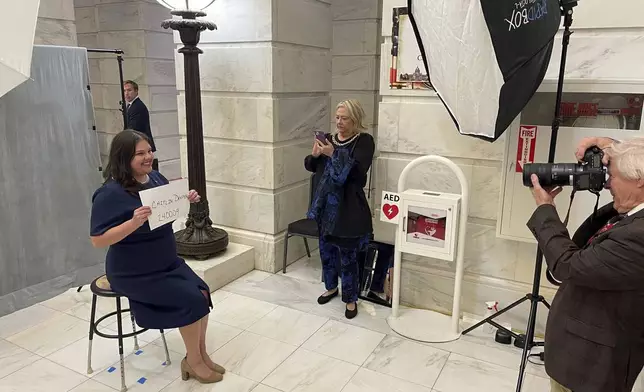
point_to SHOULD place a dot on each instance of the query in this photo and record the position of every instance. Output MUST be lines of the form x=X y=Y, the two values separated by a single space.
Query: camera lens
x=551 y=174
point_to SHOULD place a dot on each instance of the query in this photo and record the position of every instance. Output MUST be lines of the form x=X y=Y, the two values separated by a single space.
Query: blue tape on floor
x=142 y=380
x=138 y=352
x=164 y=364
x=110 y=370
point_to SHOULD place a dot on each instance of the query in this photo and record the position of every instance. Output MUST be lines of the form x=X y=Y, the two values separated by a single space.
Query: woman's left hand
x=193 y=196
x=326 y=146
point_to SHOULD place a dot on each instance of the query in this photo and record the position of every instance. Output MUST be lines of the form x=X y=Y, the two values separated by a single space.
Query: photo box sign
x=390 y=207
x=168 y=202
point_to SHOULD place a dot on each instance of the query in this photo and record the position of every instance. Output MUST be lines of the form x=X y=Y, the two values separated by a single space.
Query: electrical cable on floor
x=541 y=356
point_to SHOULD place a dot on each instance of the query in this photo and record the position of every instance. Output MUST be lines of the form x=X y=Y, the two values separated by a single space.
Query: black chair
x=305 y=228
x=101 y=288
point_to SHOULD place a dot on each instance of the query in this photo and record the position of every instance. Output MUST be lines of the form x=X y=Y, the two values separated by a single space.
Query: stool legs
x=136 y=341
x=165 y=346
x=92 y=318
x=120 y=334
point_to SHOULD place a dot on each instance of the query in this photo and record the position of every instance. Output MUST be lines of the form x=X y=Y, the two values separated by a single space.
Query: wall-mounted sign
x=390 y=207
x=587 y=110
x=525 y=146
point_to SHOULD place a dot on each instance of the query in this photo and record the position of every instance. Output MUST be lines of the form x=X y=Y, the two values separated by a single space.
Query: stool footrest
x=108 y=336
x=125 y=335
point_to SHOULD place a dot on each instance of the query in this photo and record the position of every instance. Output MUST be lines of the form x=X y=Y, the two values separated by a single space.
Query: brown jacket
x=595 y=330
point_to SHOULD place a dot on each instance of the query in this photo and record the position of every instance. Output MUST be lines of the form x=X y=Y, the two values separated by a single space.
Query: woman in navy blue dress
x=143 y=264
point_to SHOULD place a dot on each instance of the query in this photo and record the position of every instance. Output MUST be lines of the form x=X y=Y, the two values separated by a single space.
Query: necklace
x=145 y=180
x=338 y=143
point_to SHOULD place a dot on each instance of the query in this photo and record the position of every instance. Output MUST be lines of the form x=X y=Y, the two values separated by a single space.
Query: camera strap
x=572 y=196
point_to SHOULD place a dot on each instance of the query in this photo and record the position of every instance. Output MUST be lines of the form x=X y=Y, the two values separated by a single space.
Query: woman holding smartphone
x=340 y=162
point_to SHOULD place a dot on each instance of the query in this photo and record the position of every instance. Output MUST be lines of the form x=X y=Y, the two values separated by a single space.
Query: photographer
x=595 y=332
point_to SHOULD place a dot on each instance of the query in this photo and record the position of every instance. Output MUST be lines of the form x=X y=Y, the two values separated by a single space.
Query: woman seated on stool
x=142 y=264
x=340 y=163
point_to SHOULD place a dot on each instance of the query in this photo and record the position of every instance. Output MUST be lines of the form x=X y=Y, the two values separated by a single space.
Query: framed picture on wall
x=407 y=70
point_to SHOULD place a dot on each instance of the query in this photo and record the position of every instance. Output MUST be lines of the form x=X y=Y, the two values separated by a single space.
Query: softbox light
x=485 y=58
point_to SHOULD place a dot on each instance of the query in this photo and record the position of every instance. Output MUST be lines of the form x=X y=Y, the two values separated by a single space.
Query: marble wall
x=266 y=82
x=56 y=23
x=356 y=61
x=607 y=44
x=135 y=27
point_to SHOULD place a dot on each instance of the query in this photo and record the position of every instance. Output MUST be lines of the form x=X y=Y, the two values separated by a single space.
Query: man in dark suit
x=595 y=330
x=138 y=116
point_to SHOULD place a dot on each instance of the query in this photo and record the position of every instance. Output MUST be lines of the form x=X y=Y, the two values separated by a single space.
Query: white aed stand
x=420 y=324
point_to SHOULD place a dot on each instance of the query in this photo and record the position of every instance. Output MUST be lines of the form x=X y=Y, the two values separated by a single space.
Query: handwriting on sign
x=167 y=202
x=170 y=215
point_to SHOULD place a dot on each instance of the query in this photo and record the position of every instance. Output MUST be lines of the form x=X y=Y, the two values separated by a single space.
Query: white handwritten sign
x=168 y=202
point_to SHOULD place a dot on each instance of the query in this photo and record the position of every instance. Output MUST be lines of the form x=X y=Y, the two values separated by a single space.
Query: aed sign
x=390 y=207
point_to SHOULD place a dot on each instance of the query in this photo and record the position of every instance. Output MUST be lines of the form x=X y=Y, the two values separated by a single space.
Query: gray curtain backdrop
x=49 y=169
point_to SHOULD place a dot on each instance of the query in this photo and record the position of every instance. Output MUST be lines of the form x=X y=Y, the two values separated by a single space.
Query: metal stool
x=101 y=288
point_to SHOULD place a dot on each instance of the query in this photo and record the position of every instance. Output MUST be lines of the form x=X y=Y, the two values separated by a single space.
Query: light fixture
x=186 y=5
x=199 y=240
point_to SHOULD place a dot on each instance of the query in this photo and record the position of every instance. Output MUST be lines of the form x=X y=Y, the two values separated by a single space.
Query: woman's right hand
x=141 y=216
x=317 y=150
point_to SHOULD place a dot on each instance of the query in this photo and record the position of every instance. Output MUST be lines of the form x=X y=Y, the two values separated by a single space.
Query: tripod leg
x=543 y=301
x=529 y=336
x=495 y=315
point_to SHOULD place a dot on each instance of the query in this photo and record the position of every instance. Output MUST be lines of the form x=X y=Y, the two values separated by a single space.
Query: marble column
x=265 y=80
x=356 y=55
x=56 y=25
x=135 y=27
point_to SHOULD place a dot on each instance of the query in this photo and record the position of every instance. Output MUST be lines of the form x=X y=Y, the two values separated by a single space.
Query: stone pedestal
x=265 y=81
x=236 y=261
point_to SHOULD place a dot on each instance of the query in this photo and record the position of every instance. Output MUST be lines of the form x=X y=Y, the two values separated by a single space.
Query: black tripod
x=119 y=58
x=534 y=297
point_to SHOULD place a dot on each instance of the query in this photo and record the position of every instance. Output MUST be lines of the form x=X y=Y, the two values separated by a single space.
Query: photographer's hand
x=543 y=196
x=602 y=142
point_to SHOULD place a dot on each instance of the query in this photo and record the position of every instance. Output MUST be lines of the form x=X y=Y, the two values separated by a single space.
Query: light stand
x=534 y=297
x=199 y=239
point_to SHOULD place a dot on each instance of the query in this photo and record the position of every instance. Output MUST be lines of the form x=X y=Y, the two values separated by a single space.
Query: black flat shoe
x=351 y=313
x=323 y=299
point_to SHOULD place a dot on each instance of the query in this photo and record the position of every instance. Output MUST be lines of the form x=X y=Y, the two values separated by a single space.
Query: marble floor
x=271 y=335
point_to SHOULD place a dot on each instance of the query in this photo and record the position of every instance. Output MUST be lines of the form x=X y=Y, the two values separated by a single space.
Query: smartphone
x=320 y=136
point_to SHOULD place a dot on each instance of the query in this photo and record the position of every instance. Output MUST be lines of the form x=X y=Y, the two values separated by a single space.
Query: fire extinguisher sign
x=525 y=147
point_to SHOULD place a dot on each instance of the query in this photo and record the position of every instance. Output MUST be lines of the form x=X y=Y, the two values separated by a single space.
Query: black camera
x=588 y=175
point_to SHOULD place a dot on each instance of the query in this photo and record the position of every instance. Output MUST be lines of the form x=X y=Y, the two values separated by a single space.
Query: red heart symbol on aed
x=390 y=211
